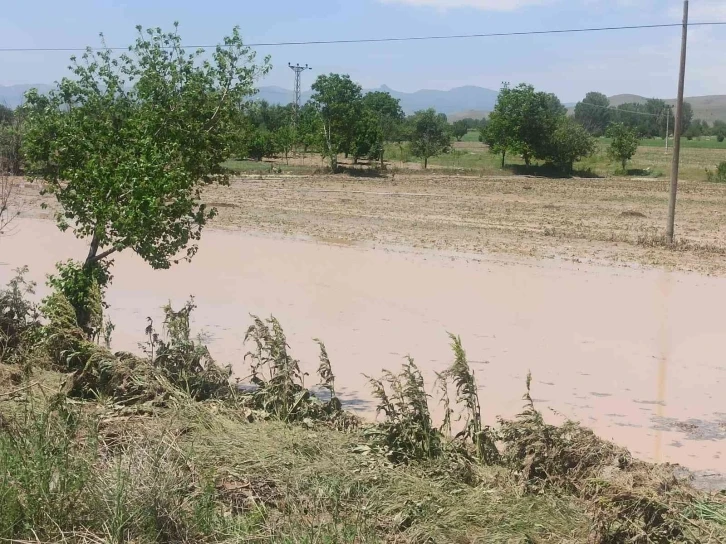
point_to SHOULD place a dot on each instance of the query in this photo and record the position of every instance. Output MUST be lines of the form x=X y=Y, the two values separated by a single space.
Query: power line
x=613 y=108
x=386 y=40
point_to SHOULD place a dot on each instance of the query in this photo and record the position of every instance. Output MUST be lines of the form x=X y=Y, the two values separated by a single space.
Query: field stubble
x=607 y=221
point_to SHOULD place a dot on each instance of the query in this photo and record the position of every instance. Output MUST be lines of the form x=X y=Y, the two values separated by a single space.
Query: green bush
x=719 y=176
x=18 y=319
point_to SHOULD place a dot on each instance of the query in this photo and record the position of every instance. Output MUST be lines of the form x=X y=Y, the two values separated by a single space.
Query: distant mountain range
x=457 y=103
x=448 y=102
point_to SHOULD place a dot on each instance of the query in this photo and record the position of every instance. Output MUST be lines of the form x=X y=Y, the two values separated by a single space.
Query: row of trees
x=11 y=126
x=650 y=119
x=340 y=120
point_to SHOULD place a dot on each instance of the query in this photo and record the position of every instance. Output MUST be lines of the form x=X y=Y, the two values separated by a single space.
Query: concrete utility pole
x=670 y=227
x=298 y=70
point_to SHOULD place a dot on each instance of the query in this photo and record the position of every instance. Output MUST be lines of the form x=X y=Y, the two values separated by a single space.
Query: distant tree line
x=650 y=119
x=11 y=138
x=339 y=119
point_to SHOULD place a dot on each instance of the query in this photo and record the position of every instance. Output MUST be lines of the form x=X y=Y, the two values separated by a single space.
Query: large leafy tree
x=389 y=118
x=594 y=113
x=128 y=143
x=570 y=142
x=429 y=134
x=624 y=143
x=522 y=122
x=337 y=100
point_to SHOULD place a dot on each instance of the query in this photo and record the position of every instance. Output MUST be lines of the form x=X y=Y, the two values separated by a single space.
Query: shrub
x=280 y=384
x=407 y=433
x=184 y=361
x=84 y=287
x=18 y=318
x=719 y=176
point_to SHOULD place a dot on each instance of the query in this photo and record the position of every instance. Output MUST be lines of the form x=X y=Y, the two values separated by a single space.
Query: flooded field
x=636 y=354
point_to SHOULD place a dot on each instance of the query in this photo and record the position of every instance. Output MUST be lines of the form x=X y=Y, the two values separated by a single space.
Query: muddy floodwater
x=637 y=355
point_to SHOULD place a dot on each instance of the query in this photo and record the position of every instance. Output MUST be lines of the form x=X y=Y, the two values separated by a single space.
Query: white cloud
x=485 y=5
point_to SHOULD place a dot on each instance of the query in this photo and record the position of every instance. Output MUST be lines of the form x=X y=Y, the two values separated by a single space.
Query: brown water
x=638 y=355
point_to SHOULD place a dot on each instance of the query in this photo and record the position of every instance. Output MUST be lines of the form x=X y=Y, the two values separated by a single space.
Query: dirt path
x=635 y=354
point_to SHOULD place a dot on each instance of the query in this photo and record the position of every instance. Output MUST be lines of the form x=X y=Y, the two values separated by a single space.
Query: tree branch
x=101 y=256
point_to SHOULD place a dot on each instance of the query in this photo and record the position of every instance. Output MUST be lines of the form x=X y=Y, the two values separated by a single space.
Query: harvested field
x=582 y=220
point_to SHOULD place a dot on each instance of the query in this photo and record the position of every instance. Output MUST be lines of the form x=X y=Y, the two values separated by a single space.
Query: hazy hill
x=457 y=103
x=448 y=102
x=12 y=95
x=709 y=108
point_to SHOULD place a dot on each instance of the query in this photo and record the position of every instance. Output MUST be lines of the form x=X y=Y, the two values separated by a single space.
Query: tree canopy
x=593 y=113
x=127 y=144
x=337 y=100
x=624 y=143
x=429 y=134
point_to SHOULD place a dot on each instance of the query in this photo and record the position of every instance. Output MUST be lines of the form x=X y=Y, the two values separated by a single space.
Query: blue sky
x=641 y=62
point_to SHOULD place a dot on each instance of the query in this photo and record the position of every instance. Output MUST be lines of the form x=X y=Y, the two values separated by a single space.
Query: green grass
x=471 y=136
x=265 y=167
x=706 y=142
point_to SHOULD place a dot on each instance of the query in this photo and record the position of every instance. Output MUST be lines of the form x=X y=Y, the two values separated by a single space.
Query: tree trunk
x=92 y=251
x=382 y=164
x=504 y=154
x=426 y=163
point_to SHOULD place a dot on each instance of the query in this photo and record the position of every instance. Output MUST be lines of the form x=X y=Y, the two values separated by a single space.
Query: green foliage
x=19 y=322
x=467 y=393
x=571 y=142
x=719 y=176
x=429 y=134
x=337 y=101
x=593 y=113
x=128 y=142
x=44 y=473
x=407 y=433
x=459 y=129
x=523 y=122
x=285 y=139
x=262 y=143
x=280 y=384
x=624 y=143
x=389 y=116
x=368 y=138
x=12 y=130
x=184 y=361
x=84 y=287
x=649 y=119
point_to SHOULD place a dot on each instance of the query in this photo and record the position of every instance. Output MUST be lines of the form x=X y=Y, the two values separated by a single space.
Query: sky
x=643 y=62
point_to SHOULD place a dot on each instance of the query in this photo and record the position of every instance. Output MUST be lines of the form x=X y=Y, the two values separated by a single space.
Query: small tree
x=285 y=139
x=338 y=102
x=571 y=142
x=429 y=134
x=127 y=145
x=624 y=143
x=459 y=129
